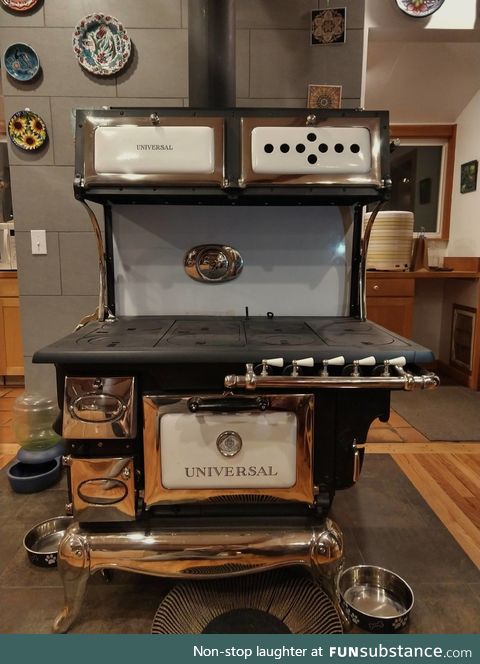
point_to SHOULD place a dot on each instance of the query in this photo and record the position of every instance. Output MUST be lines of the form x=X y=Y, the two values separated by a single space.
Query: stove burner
x=281 y=333
x=287 y=340
x=204 y=333
x=354 y=336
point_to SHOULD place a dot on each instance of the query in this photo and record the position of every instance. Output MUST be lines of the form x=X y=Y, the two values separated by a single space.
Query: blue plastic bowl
x=41 y=456
x=33 y=477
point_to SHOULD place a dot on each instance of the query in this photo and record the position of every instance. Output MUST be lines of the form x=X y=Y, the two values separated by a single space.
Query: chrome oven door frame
x=156 y=406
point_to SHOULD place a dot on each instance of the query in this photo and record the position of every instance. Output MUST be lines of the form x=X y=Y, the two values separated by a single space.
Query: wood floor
x=447 y=475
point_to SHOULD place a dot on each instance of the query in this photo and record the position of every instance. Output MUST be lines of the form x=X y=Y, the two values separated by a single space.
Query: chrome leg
x=219 y=549
x=327 y=578
x=73 y=565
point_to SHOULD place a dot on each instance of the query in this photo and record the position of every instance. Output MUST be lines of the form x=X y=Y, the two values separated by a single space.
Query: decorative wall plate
x=21 y=62
x=27 y=130
x=19 y=5
x=101 y=44
x=419 y=8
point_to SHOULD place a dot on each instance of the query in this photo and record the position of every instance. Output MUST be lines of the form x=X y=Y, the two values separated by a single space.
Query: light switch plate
x=39 y=242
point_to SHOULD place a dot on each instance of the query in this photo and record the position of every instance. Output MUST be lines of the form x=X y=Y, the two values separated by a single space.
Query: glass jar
x=33 y=418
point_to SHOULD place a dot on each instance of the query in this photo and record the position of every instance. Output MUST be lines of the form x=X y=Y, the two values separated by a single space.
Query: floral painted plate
x=419 y=8
x=101 y=44
x=19 y=5
x=21 y=62
x=27 y=130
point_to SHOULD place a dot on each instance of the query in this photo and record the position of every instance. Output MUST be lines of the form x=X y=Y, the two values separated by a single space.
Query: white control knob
x=306 y=362
x=332 y=362
x=397 y=361
x=369 y=361
x=273 y=362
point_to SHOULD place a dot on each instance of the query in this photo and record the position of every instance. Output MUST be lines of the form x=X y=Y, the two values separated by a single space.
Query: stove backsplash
x=296 y=260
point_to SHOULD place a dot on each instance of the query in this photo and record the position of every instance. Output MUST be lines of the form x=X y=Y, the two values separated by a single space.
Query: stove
x=212 y=446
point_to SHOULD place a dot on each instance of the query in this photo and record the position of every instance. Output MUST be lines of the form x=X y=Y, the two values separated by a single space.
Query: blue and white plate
x=101 y=44
x=21 y=62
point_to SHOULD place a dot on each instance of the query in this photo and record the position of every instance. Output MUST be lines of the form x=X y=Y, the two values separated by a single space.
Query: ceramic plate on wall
x=27 y=130
x=19 y=5
x=21 y=62
x=419 y=8
x=101 y=44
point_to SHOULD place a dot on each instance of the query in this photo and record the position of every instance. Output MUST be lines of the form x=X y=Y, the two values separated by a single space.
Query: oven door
x=228 y=448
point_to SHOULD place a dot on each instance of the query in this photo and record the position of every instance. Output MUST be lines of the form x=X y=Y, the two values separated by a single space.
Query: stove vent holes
x=312 y=158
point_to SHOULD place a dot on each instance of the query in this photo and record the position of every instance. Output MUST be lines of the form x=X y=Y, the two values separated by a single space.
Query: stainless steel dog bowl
x=41 y=542
x=375 y=599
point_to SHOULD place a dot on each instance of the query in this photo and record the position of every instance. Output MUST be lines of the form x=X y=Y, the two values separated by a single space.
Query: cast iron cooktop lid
x=193 y=339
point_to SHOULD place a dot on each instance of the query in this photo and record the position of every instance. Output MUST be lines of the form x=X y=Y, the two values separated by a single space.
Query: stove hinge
x=322 y=501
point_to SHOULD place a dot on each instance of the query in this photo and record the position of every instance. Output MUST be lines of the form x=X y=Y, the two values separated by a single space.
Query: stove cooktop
x=193 y=339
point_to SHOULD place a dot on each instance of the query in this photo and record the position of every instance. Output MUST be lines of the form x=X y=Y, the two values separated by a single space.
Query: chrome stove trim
x=230 y=548
x=120 y=424
x=155 y=406
x=403 y=381
x=103 y=489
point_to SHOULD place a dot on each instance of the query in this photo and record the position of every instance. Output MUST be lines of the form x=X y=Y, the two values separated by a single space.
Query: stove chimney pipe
x=211 y=53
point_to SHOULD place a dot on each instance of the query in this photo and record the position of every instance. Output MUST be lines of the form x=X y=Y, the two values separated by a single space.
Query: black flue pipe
x=211 y=53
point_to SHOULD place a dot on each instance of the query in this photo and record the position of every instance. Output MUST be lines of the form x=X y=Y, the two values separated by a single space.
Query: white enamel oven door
x=219 y=448
x=132 y=151
x=283 y=151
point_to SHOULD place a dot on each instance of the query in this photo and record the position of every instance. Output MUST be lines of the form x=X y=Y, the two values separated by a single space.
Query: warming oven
x=205 y=440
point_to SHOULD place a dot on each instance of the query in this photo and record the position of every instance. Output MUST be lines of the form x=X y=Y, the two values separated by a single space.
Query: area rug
x=449 y=413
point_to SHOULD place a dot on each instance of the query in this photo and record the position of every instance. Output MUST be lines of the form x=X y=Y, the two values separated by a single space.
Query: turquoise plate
x=21 y=62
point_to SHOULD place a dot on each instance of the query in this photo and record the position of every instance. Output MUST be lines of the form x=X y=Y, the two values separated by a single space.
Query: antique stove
x=206 y=440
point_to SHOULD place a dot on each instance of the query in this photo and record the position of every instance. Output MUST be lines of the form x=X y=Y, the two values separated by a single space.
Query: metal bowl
x=375 y=599
x=41 y=542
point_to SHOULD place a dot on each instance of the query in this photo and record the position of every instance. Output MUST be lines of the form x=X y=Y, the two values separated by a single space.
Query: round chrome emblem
x=229 y=443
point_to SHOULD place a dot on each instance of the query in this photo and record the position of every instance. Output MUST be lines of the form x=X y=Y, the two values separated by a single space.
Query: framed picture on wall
x=468 y=176
x=324 y=96
x=462 y=338
x=329 y=26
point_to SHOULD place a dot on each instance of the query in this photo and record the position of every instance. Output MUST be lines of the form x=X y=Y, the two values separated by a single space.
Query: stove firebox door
x=236 y=448
x=103 y=489
x=99 y=407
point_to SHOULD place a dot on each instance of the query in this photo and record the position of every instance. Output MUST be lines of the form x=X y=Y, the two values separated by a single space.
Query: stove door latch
x=228 y=404
x=358 y=452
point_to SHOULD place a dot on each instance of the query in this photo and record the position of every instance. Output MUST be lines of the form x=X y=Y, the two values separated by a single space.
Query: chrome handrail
x=404 y=380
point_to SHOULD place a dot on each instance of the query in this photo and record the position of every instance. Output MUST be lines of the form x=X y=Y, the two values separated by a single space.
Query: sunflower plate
x=101 y=44
x=27 y=130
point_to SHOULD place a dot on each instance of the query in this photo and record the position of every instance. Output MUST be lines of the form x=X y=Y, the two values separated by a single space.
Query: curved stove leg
x=327 y=563
x=74 y=568
x=327 y=578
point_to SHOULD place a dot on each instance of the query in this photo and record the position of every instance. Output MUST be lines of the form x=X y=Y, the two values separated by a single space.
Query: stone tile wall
x=275 y=64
